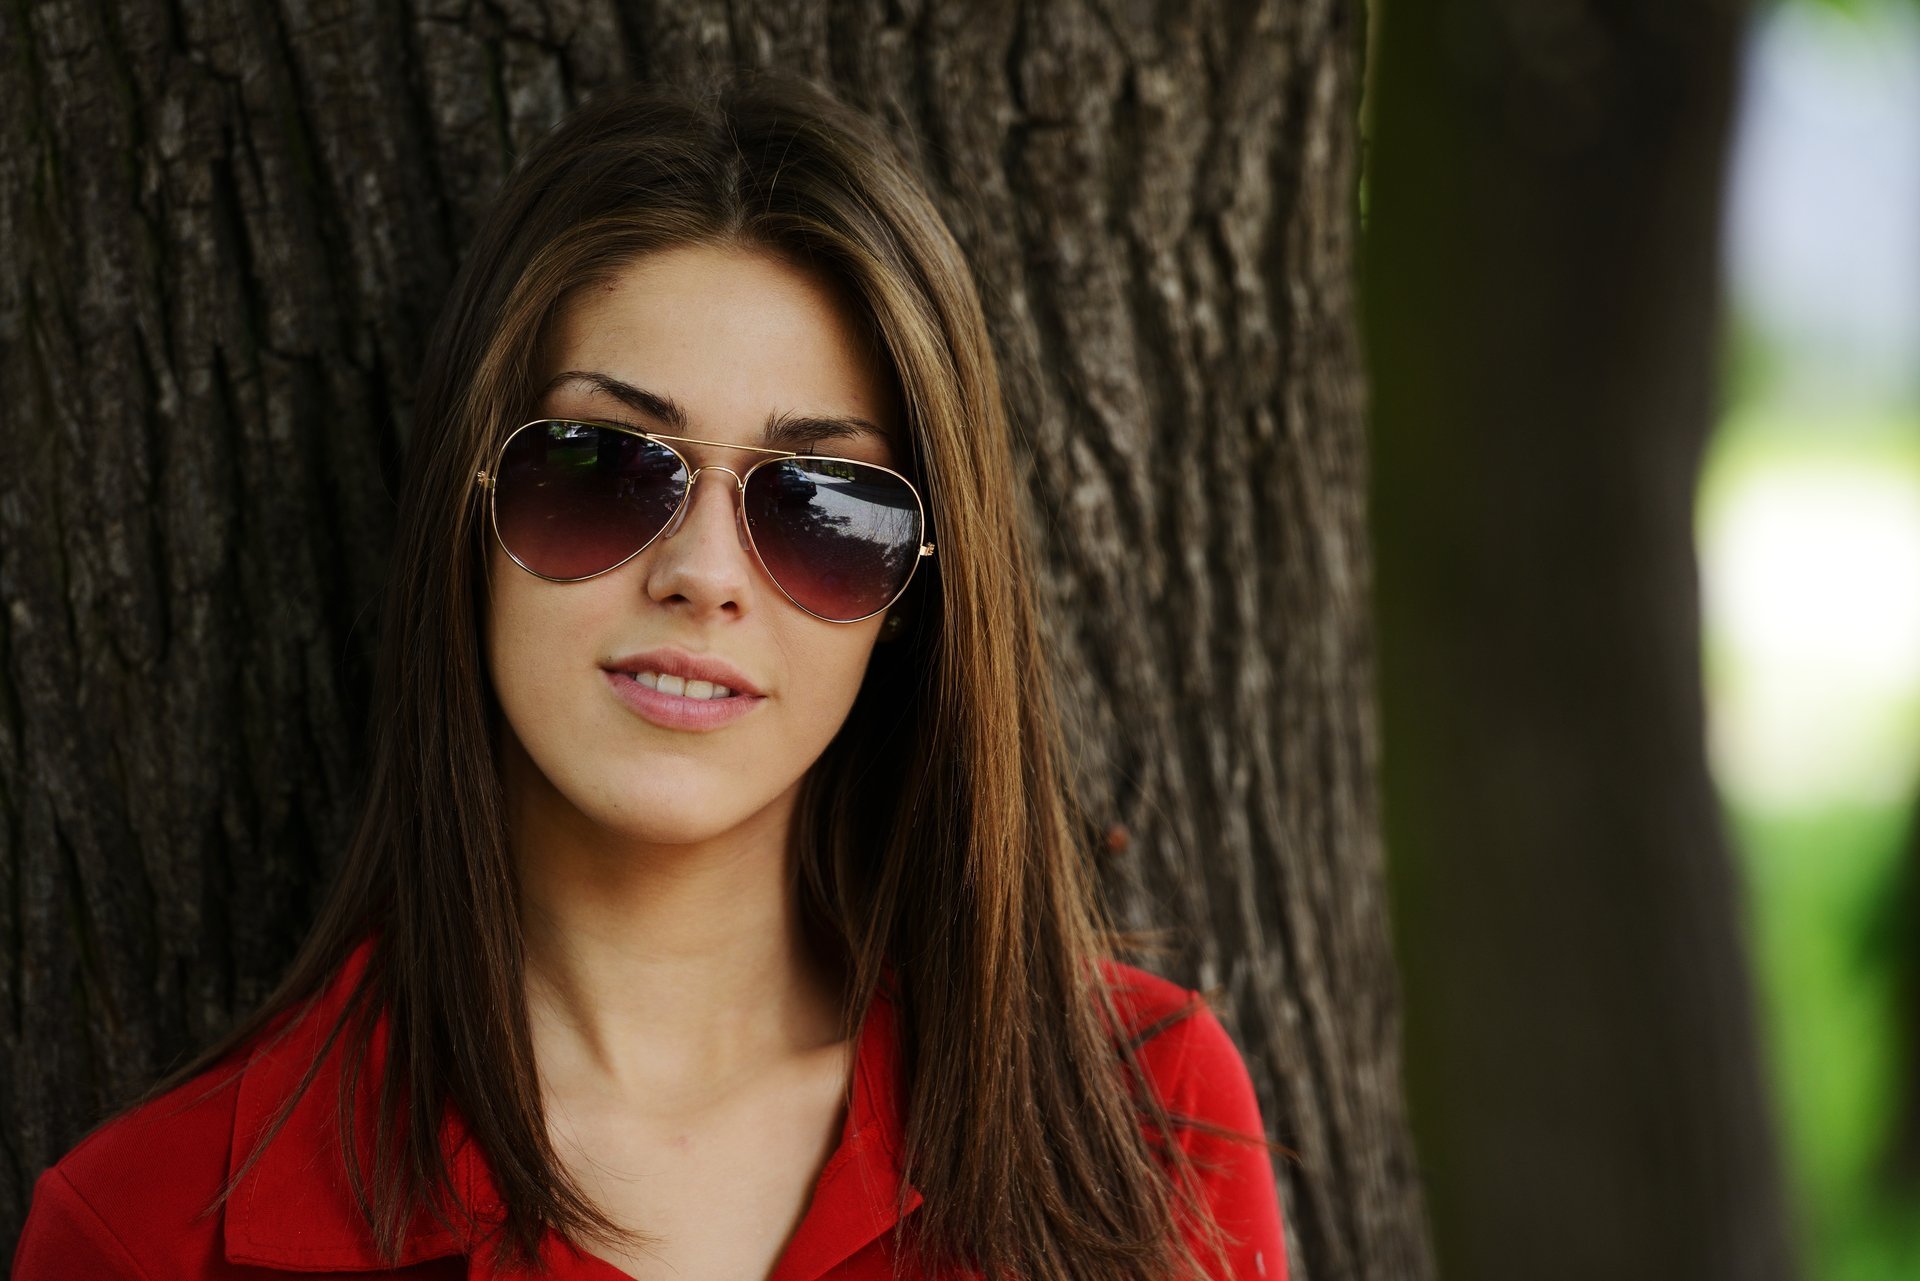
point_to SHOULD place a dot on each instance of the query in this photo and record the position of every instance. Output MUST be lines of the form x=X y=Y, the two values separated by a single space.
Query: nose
x=701 y=568
x=730 y=496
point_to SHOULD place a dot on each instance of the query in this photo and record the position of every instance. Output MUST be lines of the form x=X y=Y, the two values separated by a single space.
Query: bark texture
x=1542 y=299
x=229 y=226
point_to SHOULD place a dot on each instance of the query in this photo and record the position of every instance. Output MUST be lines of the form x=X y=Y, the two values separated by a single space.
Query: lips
x=670 y=660
x=673 y=711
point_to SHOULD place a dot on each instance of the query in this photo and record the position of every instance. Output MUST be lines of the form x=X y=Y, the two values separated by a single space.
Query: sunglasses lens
x=841 y=538
x=573 y=499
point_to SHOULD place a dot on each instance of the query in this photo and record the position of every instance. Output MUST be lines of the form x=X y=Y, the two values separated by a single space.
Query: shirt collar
x=295 y=1210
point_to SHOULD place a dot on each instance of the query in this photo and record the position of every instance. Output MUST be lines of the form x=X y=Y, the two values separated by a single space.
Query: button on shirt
x=125 y=1203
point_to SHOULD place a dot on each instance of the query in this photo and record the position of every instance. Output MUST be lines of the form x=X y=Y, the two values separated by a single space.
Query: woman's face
x=733 y=338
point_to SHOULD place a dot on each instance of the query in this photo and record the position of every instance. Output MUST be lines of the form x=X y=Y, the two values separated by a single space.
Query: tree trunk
x=229 y=227
x=1544 y=198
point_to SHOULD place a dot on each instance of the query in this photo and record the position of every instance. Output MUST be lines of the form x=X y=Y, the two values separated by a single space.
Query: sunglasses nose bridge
x=739 y=505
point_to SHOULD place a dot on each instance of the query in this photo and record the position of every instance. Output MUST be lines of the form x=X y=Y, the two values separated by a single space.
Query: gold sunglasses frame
x=486 y=479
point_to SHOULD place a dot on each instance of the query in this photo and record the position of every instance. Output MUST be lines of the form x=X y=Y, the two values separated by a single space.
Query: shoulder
x=137 y=1196
x=1201 y=1078
x=127 y=1200
x=1195 y=1065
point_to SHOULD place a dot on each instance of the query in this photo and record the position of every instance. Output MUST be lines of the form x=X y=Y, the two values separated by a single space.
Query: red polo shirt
x=124 y=1202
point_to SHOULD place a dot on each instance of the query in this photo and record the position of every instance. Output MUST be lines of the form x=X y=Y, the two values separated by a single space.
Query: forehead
x=731 y=335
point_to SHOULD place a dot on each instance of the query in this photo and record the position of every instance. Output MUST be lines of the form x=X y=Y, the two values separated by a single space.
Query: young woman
x=718 y=910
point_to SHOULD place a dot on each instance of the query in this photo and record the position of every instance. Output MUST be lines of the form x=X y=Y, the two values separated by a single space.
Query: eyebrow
x=782 y=431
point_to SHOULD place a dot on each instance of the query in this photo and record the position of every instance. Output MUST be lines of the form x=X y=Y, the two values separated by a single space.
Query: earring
x=891 y=628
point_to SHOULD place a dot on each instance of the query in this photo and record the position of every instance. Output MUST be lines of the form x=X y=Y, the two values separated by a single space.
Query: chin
x=666 y=809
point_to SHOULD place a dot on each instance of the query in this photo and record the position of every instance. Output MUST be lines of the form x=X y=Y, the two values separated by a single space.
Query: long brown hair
x=936 y=833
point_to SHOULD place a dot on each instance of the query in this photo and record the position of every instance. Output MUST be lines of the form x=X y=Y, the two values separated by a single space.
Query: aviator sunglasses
x=571 y=498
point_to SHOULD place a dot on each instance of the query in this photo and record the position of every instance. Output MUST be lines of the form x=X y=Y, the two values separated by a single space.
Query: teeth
x=681 y=686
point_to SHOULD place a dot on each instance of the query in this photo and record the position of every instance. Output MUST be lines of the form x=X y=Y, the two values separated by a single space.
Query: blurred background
x=1565 y=213
x=1809 y=538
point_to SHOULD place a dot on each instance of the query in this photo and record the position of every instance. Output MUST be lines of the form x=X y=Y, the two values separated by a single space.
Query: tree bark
x=230 y=226
x=1542 y=301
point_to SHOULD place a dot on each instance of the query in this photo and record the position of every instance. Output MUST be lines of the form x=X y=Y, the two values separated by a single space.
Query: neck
x=659 y=968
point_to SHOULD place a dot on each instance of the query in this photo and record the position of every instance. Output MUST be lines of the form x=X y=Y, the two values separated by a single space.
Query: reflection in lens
x=573 y=499
x=841 y=538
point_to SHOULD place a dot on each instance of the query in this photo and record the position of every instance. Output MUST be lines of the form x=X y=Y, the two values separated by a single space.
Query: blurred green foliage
x=1818 y=882
x=1830 y=928
x=1852 y=8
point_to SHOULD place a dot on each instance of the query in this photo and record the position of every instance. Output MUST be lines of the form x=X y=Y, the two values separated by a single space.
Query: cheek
x=827 y=670
x=538 y=638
